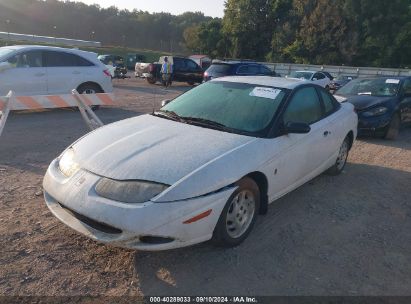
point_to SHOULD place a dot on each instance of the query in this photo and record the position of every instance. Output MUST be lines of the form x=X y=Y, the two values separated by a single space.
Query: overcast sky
x=214 y=8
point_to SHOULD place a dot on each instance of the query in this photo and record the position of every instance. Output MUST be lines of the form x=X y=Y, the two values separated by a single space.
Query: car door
x=26 y=75
x=180 y=70
x=405 y=101
x=63 y=72
x=301 y=156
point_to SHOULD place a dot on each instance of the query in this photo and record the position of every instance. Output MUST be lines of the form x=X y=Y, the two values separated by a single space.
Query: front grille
x=92 y=223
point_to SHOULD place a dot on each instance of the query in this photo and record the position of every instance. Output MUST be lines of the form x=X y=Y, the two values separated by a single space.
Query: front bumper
x=369 y=125
x=74 y=202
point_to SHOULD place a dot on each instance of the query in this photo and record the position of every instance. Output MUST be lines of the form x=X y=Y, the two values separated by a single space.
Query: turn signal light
x=198 y=217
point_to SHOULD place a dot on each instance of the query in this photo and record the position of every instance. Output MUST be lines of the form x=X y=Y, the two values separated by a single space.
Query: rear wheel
x=239 y=214
x=90 y=88
x=151 y=80
x=394 y=127
x=341 y=159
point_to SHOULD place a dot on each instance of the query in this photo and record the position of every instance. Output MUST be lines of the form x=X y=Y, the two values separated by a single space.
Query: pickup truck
x=184 y=70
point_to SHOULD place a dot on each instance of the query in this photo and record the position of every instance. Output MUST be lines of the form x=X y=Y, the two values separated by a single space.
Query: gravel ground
x=344 y=235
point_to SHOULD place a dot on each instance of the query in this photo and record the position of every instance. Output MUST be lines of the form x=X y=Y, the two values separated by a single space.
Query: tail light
x=205 y=74
x=151 y=68
x=107 y=73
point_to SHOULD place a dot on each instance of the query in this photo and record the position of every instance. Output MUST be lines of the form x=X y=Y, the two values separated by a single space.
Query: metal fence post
x=89 y=117
x=6 y=110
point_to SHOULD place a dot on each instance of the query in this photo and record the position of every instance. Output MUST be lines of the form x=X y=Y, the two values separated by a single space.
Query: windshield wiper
x=168 y=114
x=205 y=122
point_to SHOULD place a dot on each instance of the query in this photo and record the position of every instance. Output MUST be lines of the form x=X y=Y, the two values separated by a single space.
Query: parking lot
x=344 y=235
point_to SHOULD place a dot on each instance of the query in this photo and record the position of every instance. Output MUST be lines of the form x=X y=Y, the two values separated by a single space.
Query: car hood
x=152 y=149
x=362 y=102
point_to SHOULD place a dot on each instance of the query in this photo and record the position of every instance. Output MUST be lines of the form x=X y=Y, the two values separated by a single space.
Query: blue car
x=383 y=104
x=237 y=68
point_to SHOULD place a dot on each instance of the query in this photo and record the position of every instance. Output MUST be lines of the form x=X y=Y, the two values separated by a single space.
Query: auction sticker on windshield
x=396 y=81
x=269 y=93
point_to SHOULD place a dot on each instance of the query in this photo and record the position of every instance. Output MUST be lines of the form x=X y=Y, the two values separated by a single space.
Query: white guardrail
x=82 y=101
x=48 y=40
x=286 y=68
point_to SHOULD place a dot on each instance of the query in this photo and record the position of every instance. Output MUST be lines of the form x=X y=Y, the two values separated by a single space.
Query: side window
x=319 y=76
x=406 y=88
x=253 y=69
x=264 y=70
x=191 y=65
x=304 y=107
x=61 y=59
x=329 y=103
x=179 y=64
x=83 y=62
x=31 y=59
x=243 y=70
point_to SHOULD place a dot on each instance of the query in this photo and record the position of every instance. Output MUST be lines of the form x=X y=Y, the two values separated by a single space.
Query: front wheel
x=239 y=214
x=393 y=128
x=341 y=159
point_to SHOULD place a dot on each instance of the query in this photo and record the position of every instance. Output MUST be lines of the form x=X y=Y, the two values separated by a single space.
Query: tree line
x=111 y=26
x=339 y=32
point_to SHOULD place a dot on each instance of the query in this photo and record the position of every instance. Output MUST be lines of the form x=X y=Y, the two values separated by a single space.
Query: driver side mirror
x=315 y=78
x=165 y=102
x=5 y=66
x=296 y=128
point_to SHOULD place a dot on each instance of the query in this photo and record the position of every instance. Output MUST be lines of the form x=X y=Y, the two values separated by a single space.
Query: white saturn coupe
x=203 y=167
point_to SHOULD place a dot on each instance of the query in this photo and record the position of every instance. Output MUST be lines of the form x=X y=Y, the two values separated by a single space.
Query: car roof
x=269 y=81
x=307 y=71
x=45 y=47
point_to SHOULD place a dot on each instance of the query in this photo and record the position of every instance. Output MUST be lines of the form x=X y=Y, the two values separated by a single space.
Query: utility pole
x=8 y=31
x=55 y=34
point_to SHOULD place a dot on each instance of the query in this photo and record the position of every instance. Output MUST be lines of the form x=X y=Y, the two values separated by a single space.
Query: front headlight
x=67 y=164
x=375 y=112
x=129 y=191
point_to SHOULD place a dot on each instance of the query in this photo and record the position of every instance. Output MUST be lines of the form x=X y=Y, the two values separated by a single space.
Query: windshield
x=239 y=107
x=219 y=68
x=4 y=52
x=301 y=75
x=371 y=87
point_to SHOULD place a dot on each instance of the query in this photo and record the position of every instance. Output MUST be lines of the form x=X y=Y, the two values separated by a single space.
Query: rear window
x=219 y=68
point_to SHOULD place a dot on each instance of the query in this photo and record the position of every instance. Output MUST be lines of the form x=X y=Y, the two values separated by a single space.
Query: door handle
x=39 y=74
x=326 y=133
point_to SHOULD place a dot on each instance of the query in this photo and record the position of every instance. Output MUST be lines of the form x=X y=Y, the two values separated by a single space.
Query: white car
x=43 y=70
x=321 y=78
x=203 y=166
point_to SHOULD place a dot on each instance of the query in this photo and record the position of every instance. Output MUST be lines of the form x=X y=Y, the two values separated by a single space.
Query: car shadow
x=35 y=152
x=403 y=141
x=332 y=236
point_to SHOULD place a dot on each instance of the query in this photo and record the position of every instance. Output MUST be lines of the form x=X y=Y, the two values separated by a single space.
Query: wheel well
x=262 y=183
x=90 y=83
x=350 y=135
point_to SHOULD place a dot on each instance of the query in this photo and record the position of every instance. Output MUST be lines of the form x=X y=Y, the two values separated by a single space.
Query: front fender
x=220 y=172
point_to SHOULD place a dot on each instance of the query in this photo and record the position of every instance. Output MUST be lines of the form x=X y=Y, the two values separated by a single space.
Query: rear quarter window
x=219 y=68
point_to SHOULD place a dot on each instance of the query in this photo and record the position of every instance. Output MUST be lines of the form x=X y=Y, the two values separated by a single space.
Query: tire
x=341 y=161
x=191 y=83
x=394 y=127
x=327 y=88
x=247 y=200
x=90 y=88
x=151 y=80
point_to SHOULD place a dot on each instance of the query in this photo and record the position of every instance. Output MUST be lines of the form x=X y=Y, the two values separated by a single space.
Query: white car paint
x=321 y=82
x=44 y=80
x=201 y=166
